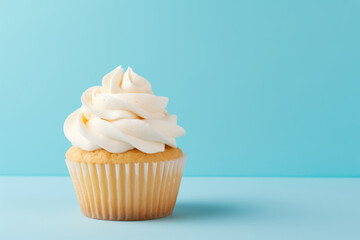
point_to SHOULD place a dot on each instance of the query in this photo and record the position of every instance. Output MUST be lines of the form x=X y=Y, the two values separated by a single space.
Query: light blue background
x=263 y=88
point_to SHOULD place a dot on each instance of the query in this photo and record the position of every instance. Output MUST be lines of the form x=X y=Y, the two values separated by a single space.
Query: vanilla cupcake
x=124 y=162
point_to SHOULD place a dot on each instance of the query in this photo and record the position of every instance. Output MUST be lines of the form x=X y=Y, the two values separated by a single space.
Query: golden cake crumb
x=76 y=154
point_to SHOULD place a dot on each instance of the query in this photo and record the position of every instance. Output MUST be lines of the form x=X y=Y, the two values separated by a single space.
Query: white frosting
x=121 y=115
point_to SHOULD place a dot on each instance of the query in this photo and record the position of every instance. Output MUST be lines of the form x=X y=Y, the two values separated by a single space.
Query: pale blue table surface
x=207 y=208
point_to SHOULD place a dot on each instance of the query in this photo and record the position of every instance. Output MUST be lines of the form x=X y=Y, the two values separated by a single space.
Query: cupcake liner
x=127 y=191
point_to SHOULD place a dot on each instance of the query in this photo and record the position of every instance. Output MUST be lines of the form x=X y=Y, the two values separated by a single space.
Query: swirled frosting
x=122 y=114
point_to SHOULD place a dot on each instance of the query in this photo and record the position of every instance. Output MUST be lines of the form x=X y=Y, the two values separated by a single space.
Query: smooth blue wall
x=263 y=88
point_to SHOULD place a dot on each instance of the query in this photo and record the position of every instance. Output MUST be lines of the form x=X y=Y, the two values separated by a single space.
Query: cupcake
x=124 y=162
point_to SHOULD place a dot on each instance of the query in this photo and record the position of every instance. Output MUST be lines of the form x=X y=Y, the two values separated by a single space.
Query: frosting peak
x=117 y=82
x=121 y=115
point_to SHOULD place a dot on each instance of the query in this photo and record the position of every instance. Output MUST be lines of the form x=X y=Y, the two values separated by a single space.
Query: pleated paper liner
x=127 y=191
